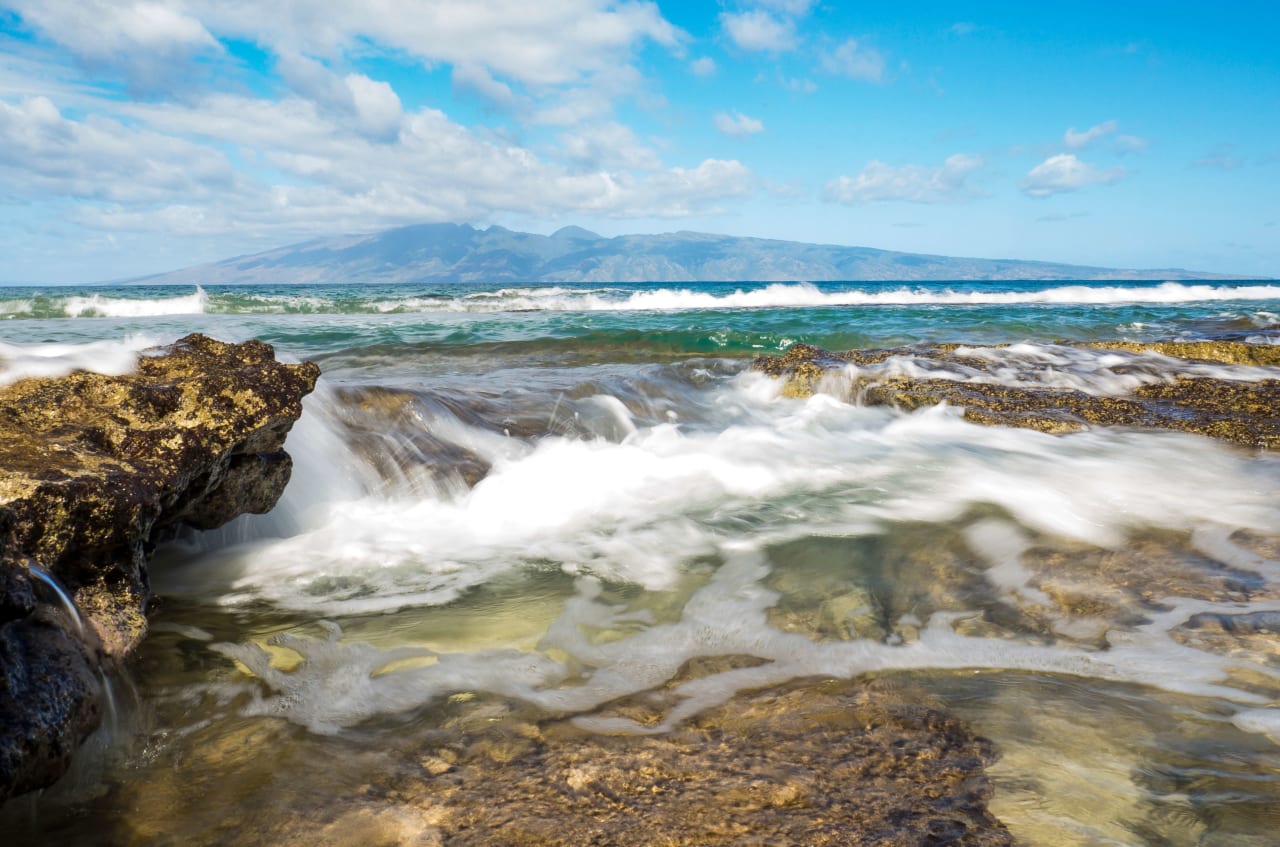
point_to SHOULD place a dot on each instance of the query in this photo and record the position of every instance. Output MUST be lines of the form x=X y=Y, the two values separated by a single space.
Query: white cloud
x=704 y=66
x=759 y=30
x=532 y=43
x=543 y=46
x=369 y=106
x=737 y=124
x=908 y=183
x=140 y=40
x=1064 y=172
x=377 y=106
x=608 y=145
x=45 y=154
x=162 y=170
x=853 y=61
x=963 y=28
x=1079 y=140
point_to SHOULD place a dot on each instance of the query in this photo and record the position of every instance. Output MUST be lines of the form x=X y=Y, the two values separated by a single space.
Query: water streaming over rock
x=593 y=520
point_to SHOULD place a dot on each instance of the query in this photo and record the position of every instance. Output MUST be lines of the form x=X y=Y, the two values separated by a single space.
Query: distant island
x=445 y=253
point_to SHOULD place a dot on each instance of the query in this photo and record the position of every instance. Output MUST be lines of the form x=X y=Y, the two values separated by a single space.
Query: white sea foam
x=663 y=498
x=804 y=294
x=807 y=295
x=340 y=683
x=97 y=305
x=798 y=295
x=19 y=361
x=1262 y=721
x=639 y=508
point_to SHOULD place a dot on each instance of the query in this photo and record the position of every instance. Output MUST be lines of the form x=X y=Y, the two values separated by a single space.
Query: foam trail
x=636 y=509
x=754 y=474
x=340 y=684
x=1111 y=373
x=20 y=361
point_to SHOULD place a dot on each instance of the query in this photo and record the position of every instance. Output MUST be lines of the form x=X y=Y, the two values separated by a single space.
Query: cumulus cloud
x=43 y=153
x=1064 y=172
x=851 y=60
x=737 y=124
x=543 y=46
x=1079 y=140
x=477 y=79
x=879 y=182
x=151 y=174
x=759 y=30
x=608 y=145
x=369 y=106
x=334 y=148
x=140 y=40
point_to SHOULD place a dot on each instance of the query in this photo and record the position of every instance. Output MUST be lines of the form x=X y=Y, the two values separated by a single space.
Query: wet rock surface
x=814 y=763
x=94 y=469
x=1241 y=410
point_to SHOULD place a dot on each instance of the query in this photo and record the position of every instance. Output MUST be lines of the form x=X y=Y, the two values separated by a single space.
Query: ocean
x=513 y=504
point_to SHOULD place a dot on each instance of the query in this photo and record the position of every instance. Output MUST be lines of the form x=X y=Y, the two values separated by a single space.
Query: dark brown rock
x=93 y=470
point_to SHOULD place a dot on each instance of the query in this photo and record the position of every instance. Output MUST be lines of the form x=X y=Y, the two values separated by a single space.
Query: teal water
x=660 y=319
x=540 y=501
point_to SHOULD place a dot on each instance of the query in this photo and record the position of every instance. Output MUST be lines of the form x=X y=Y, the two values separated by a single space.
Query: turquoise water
x=553 y=498
x=643 y=320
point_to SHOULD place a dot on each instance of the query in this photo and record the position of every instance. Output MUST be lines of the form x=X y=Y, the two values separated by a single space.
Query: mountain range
x=444 y=253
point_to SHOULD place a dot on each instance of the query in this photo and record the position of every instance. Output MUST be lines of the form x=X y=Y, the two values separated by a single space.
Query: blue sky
x=139 y=136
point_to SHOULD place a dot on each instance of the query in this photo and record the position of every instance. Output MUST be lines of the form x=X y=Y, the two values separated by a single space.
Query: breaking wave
x=412 y=299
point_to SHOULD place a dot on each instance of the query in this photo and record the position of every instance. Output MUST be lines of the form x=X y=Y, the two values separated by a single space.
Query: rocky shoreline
x=94 y=470
x=1242 y=410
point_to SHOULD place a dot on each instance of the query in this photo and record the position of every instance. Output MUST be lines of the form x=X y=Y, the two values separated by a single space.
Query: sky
x=139 y=136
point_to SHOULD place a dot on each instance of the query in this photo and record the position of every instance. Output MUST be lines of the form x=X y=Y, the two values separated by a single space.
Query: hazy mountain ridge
x=461 y=253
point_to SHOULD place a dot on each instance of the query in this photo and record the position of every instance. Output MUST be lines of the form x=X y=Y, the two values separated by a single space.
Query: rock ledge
x=94 y=470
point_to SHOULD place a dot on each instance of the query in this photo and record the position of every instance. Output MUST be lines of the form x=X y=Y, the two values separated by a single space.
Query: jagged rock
x=1247 y=413
x=94 y=469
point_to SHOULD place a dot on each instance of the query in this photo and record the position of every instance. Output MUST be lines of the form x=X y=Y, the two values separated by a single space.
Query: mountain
x=461 y=253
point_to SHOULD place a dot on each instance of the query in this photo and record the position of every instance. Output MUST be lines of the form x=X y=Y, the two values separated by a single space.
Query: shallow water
x=507 y=519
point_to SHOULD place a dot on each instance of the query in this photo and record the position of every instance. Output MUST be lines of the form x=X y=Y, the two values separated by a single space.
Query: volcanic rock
x=94 y=469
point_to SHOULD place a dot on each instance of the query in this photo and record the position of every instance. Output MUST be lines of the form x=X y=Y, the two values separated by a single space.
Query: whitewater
x=546 y=500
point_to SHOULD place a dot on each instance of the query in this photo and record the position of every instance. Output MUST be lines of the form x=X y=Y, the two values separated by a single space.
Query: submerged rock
x=1244 y=411
x=812 y=763
x=94 y=469
x=809 y=764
